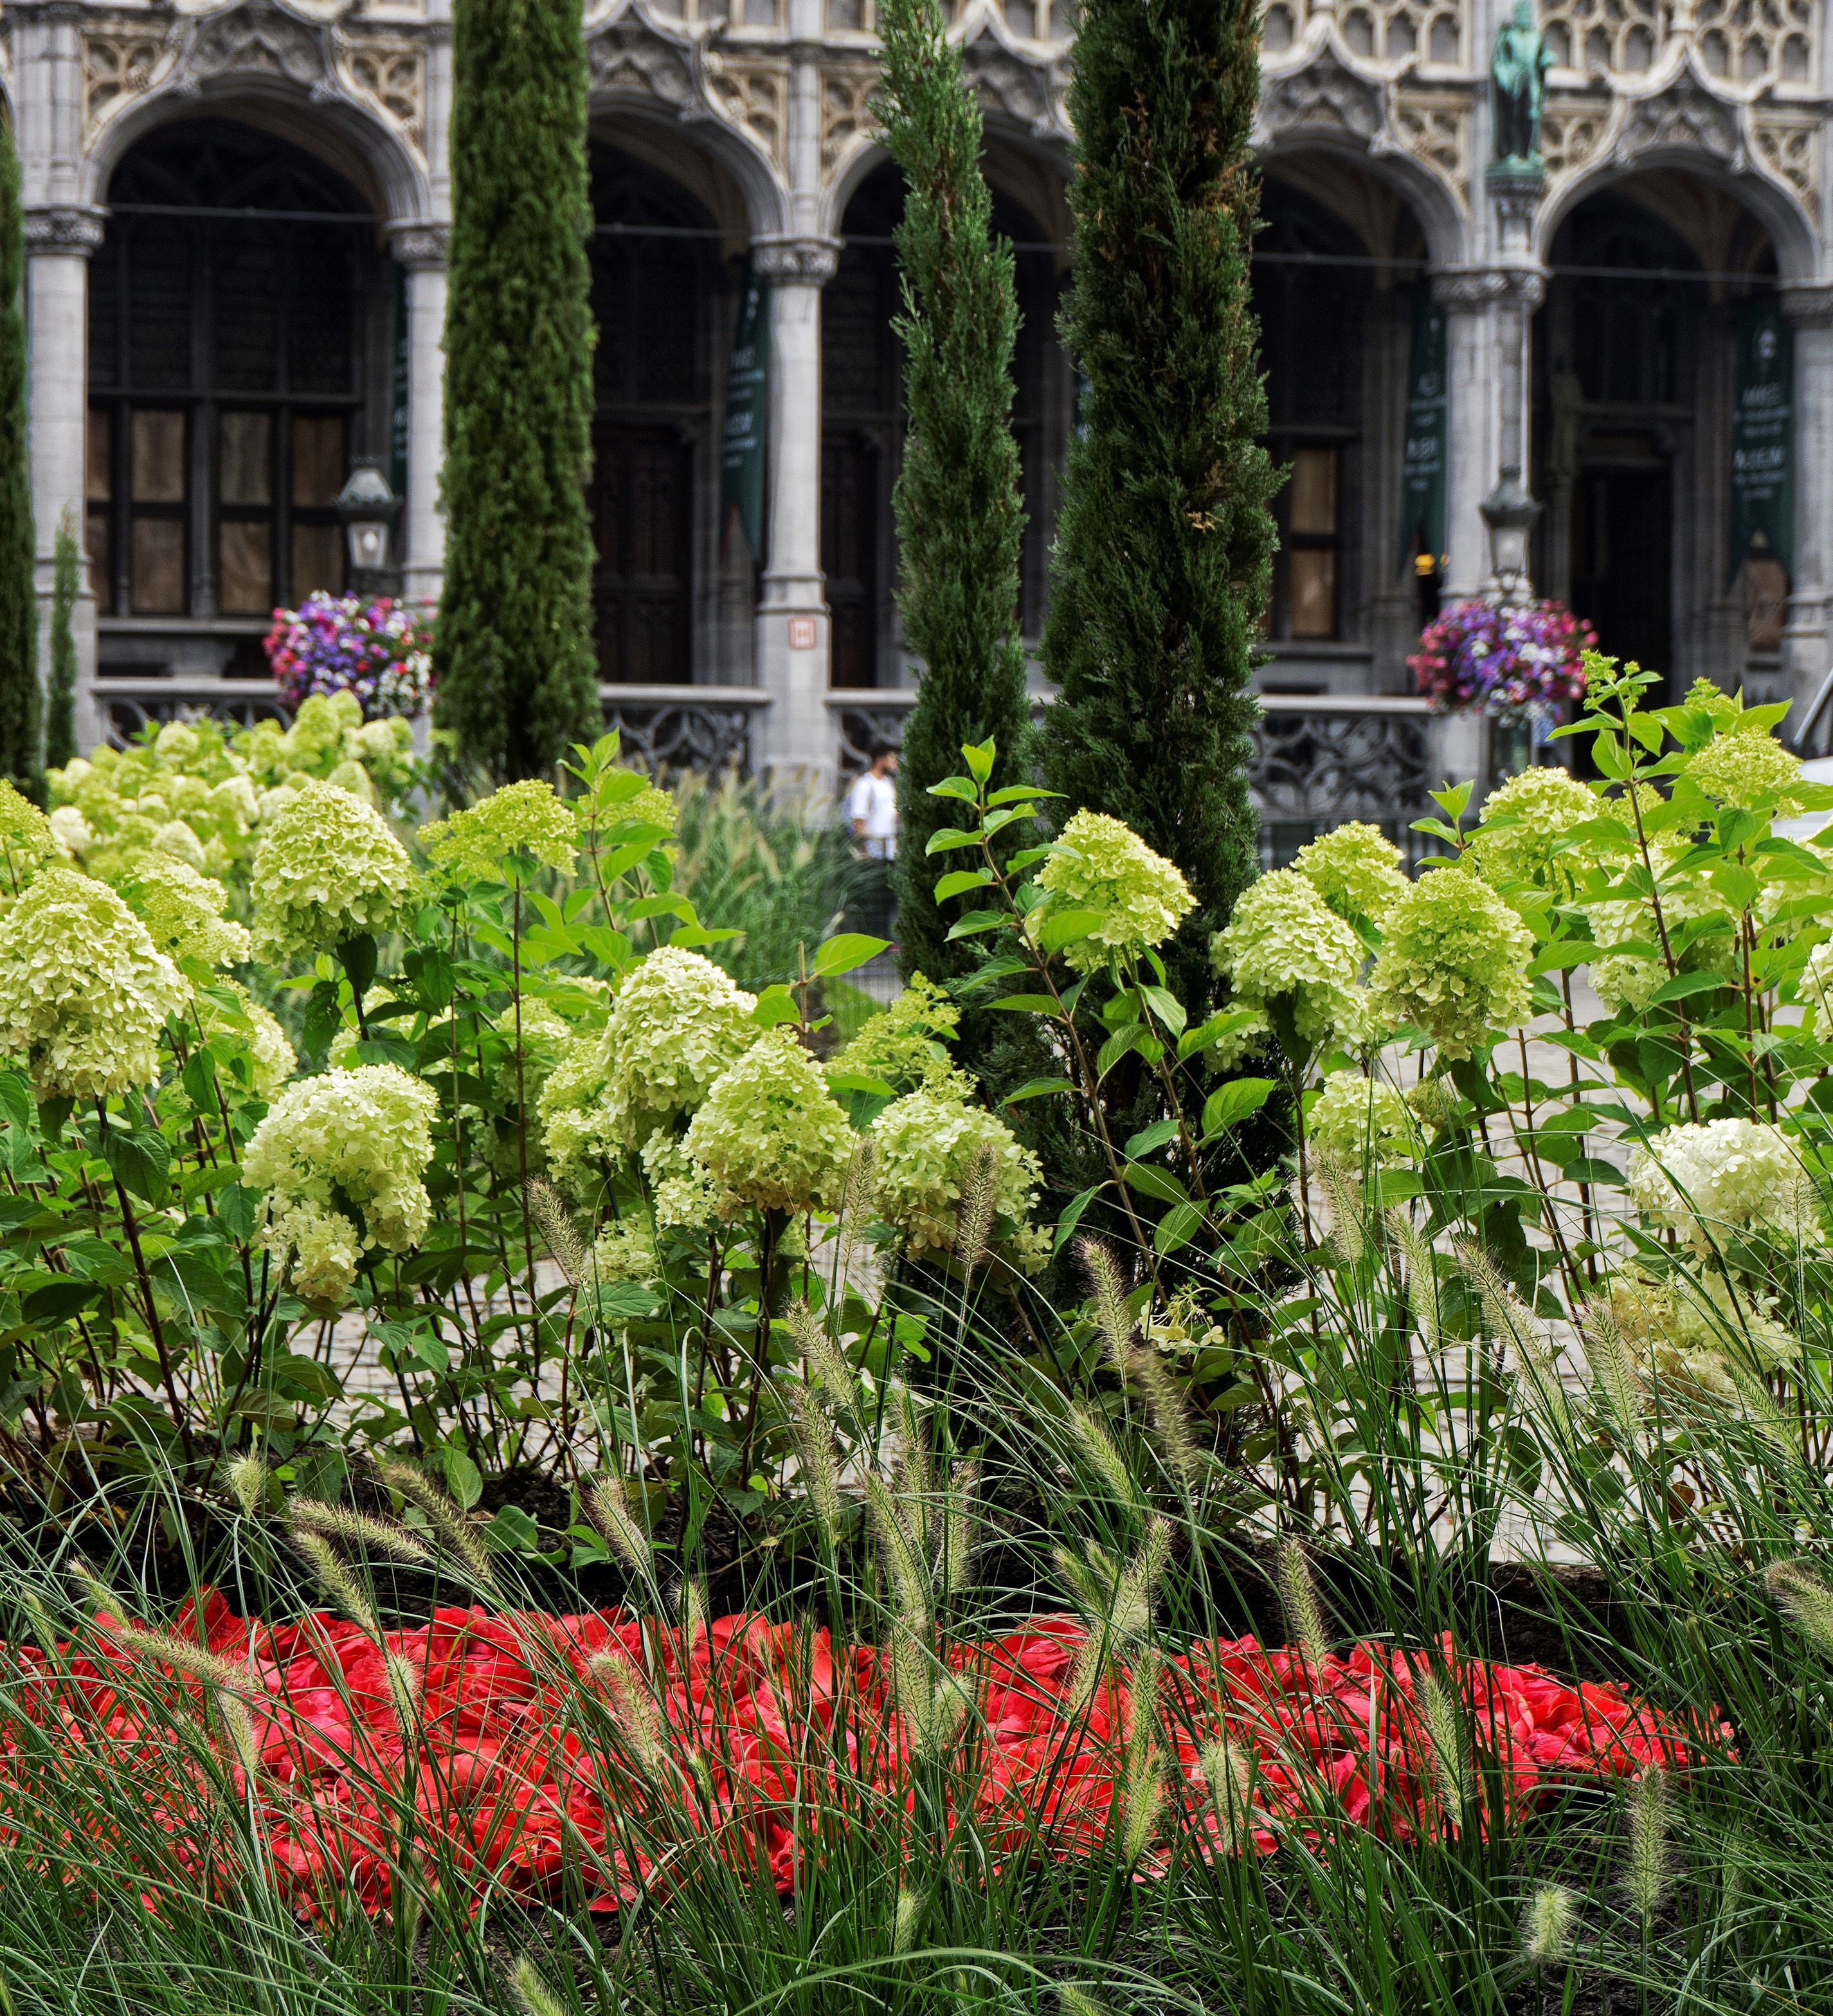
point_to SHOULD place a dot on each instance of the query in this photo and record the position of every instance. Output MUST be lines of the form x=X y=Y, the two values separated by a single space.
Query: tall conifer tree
x=1165 y=540
x=21 y=710
x=60 y=704
x=518 y=671
x=960 y=515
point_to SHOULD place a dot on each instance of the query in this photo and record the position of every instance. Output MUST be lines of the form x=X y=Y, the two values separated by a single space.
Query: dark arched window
x=655 y=266
x=228 y=355
x=1311 y=312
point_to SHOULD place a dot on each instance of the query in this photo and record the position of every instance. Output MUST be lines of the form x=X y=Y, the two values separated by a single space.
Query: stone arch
x=708 y=165
x=347 y=136
x=1791 y=232
x=1418 y=191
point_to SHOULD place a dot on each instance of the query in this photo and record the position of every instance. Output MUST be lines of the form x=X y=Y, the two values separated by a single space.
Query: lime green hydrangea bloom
x=1745 y=770
x=680 y=1196
x=648 y=805
x=329 y=870
x=624 y=1251
x=1284 y=941
x=1715 y=1179
x=678 y=1023
x=1365 y=1121
x=902 y=1046
x=529 y=817
x=84 y=992
x=1454 y=962
x=183 y=912
x=1101 y=864
x=928 y=1142
x=364 y=1136
x=1355 y=868
x=770 y=1134
x=26 y=836
x=1539 y=808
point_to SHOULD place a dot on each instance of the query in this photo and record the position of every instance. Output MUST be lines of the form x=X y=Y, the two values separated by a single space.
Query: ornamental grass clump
x=1454 y=962
x=85 y=993
x=329 y=870
x=769 y=1135
x=1133 y=898
x=361 y=1139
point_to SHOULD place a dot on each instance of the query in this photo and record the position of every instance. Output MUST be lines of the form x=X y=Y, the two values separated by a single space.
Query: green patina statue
x=1518 y=86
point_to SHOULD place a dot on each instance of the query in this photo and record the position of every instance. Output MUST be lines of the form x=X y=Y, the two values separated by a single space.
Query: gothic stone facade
x=237 y=215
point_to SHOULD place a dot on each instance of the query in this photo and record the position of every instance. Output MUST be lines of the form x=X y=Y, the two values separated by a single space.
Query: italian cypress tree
x=20 y=706
x=1164 y=541
x=960 y=516
x=518 y=674
x=60 y=707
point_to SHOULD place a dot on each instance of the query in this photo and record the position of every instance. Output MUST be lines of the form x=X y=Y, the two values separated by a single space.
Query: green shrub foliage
x=960 y=517
x=1165 y=540
x=518 y=678
x=20 y=708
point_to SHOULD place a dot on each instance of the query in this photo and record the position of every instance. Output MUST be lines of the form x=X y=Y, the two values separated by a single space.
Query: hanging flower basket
x=381 y=651
x=1514 y=664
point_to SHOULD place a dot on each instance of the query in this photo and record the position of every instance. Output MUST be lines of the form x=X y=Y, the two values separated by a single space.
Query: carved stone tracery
x=755 y=96
x=847 y=119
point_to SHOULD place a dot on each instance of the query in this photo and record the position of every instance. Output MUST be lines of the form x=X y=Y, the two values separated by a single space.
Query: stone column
x=792 y=628
x=421 y=248
x=1806 y=656
x=58 y=242
x=1469 y=296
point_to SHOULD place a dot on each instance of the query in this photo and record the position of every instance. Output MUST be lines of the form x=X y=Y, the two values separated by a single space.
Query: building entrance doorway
x=1622 y=559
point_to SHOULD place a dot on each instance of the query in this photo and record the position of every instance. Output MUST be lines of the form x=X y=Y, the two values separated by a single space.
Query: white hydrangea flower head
x=326 y=871
x=365 y=1135
x=681 y=1193
x=1718 y=1178
x=1355 y=868
x=71 y=832
x=902 y=1046
x=1815 y=986
x=623 y=1252
x=1454 y=962
x=1284 y=940
x=529 y=817
x=27 y=836
x=1100 y=864
x=183 y=912
x=928 y=1142
x=571 y=1104
x=85 y=993
x=678 y=1023
x=1538 y=807
x=1746 y=769
x=1685 y=1329
x=177 y=839
x=769 y=1134
x=1366 y=1122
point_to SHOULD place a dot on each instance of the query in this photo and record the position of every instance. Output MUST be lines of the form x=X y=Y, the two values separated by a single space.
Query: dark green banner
x=747 y=409
x=1422 y=482
x=1762 y=436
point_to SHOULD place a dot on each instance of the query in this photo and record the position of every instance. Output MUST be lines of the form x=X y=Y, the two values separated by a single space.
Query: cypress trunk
x=20 y=704
x=1165 y=541
x=60 y=707
x=514 y=652
x=960 y=515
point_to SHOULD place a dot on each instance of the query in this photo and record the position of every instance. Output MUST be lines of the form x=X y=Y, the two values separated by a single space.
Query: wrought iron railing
x=127 y=707
x=708 y=728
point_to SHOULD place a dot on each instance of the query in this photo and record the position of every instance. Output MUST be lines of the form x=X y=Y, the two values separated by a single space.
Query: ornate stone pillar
x=58 y=242
x=1806 y=657
x=421 y=248
x=792 y=628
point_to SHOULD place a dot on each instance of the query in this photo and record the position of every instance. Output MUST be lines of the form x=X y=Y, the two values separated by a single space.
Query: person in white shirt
x=871 y=806
x=872 y=816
